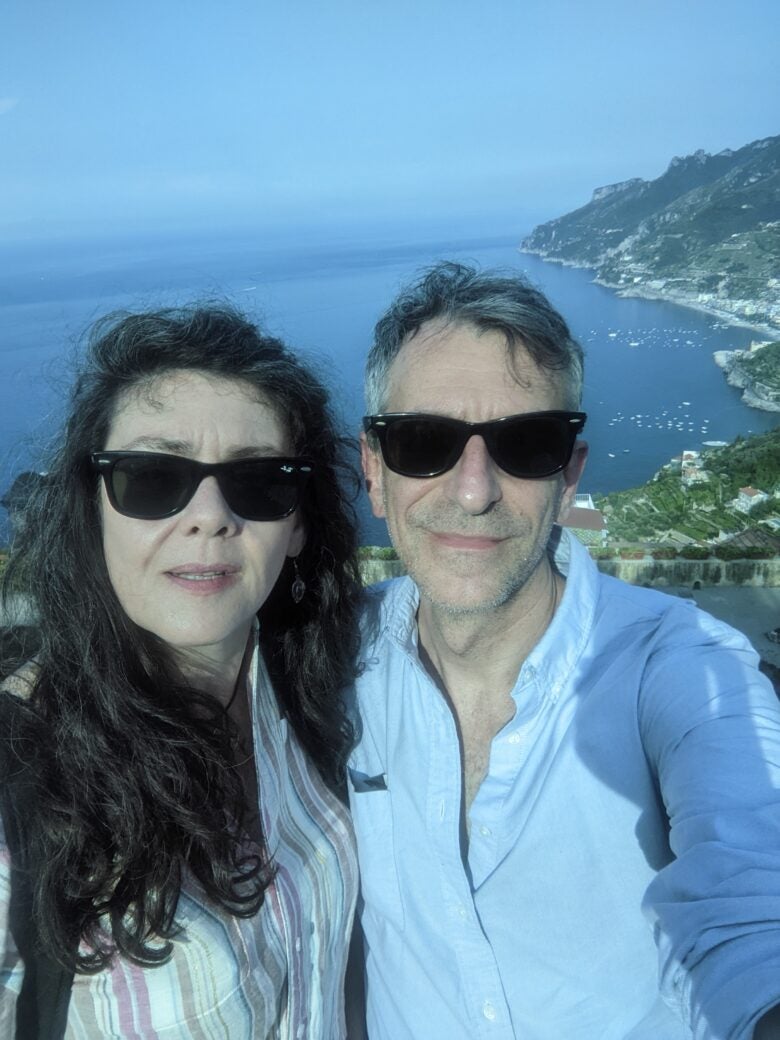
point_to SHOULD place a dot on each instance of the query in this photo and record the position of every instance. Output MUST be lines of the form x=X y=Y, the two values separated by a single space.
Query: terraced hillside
x=705 y=233
x=666 y=510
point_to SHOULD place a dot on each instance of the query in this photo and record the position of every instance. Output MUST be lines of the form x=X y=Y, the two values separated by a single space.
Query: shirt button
x=485 y=832
x=462 y=912
x=488 y=1011
x=514 y=738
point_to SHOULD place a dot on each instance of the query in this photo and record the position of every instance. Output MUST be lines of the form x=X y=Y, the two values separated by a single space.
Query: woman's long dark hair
x=134 y=770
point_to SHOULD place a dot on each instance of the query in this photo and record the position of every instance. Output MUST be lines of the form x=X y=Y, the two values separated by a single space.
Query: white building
x=748 y=498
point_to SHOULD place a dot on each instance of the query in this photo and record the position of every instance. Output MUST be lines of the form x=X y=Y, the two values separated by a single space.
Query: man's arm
x=711 y=727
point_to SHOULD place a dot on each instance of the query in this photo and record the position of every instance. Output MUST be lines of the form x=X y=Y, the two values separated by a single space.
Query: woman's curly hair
x=134 y=770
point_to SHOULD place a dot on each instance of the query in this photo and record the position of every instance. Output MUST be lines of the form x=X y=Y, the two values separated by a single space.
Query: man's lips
x=476 y=542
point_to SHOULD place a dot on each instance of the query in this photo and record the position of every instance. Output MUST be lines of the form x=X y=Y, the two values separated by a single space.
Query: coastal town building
x=585 y=522
x=692 y=469
x=748 y=498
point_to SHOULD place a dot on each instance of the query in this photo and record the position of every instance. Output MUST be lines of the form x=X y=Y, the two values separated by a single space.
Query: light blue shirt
x=623 y=872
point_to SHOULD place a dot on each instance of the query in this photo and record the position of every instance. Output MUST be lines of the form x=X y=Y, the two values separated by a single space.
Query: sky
x=458 y=114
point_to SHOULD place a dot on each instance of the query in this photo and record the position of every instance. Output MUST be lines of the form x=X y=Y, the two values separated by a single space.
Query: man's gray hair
x=487 y=300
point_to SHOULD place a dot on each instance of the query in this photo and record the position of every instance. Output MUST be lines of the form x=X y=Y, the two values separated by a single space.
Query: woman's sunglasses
x=531 y=445
x=151 y=486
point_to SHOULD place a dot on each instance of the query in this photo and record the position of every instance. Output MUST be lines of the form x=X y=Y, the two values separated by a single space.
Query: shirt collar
x=556 y=654
x=394 y=606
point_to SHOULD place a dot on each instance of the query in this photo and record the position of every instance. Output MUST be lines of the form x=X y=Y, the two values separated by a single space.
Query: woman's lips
x=204 y=578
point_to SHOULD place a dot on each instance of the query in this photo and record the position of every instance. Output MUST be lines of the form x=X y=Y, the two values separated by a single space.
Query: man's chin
x=459 y=600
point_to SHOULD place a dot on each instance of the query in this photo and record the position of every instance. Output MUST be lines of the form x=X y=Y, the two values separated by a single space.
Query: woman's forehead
x=187 y=402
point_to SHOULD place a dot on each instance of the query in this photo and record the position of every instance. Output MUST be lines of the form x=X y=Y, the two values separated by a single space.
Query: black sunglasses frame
x=293 y=471
x=572 y=424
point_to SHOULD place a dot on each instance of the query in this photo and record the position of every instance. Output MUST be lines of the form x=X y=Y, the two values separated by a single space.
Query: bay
x=652 y=389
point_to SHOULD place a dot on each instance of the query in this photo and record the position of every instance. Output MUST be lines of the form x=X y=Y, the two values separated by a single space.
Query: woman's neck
x=220 y=676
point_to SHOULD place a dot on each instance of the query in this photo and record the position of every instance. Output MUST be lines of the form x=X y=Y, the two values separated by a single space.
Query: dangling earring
x=299 y=585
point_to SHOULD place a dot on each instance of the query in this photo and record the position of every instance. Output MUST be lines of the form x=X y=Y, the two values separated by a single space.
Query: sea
x=652 y=389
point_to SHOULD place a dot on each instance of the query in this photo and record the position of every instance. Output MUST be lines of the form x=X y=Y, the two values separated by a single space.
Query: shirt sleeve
x=11 y=966
x=710 y=725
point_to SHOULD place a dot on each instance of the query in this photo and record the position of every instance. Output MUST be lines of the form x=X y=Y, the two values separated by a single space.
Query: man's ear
x=571 y=478
x=372 y=471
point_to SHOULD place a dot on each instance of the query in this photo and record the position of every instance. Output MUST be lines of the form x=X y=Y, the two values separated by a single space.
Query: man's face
x=472 y=537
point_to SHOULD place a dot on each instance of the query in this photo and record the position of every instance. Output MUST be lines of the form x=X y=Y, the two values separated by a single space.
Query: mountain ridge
x=706 y=234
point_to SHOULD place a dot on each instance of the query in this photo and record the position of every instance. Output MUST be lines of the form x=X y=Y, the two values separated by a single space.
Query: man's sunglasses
x=151 y=486
x=531 y=445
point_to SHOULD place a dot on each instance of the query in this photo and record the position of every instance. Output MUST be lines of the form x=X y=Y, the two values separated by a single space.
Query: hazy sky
x=497 y=113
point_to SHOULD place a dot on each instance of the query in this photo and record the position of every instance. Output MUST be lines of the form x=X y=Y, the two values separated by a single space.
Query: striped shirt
x=279 y=974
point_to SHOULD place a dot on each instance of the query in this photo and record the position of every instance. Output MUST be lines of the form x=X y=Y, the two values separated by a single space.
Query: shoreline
x=726 y=317
x=642 y=292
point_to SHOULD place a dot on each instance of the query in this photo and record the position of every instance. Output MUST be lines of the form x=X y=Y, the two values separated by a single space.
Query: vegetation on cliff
x=705 y=233
x=756 y=371
x=665 y=509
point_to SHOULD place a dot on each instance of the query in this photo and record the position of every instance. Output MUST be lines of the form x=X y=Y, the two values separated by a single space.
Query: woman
x=191 y=558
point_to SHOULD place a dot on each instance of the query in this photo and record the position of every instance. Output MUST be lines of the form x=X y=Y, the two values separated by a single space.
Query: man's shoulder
x=675 y=620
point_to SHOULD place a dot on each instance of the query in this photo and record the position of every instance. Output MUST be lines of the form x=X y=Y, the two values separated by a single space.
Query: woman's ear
x=297 y=535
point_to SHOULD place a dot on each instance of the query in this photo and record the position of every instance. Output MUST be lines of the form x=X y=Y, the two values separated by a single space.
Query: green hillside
x=706 y=233
x=763 y=366
x=664 y=509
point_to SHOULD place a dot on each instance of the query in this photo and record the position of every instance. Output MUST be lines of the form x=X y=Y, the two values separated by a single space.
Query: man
x=566 y=790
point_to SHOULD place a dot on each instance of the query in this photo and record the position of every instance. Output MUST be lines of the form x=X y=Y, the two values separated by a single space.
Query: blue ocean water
x=652 y=388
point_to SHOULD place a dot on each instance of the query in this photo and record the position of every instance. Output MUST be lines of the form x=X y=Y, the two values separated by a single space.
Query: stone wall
x=373 y=571
x=653 y=573
x=663 y=573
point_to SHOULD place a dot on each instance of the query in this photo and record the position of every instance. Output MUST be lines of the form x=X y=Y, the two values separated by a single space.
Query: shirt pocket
x=372 y=813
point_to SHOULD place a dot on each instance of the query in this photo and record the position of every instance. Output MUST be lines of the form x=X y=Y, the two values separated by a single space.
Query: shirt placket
x=477 y=968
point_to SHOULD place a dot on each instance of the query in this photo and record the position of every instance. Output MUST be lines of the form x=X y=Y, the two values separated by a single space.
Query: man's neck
x=485 y=650
x=475 y=660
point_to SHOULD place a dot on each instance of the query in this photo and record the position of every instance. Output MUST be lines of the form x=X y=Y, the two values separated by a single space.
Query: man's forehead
x=452 y=358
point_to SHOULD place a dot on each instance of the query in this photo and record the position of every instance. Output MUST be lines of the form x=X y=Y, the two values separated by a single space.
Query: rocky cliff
x=706 y=233
x=756 y=372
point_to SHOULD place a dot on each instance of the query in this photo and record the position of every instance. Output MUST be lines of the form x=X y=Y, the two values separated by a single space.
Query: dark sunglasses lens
x=421 y=447
x=150 y=488
x=536 y=447
x=259 y=490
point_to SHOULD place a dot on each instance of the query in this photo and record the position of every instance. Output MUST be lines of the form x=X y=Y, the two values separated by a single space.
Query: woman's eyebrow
x=178 y=447
x=255 y=450
x=145 y=441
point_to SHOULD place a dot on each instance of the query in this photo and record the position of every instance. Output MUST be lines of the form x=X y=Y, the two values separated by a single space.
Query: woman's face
x=197 y=579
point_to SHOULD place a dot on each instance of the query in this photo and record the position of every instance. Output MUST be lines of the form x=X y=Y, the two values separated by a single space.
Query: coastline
x=722 y=359
x=729 y=362
x=644 y=293
x=683 y=301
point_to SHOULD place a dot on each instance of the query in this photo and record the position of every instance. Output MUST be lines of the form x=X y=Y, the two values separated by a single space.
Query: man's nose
x=473 y=482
